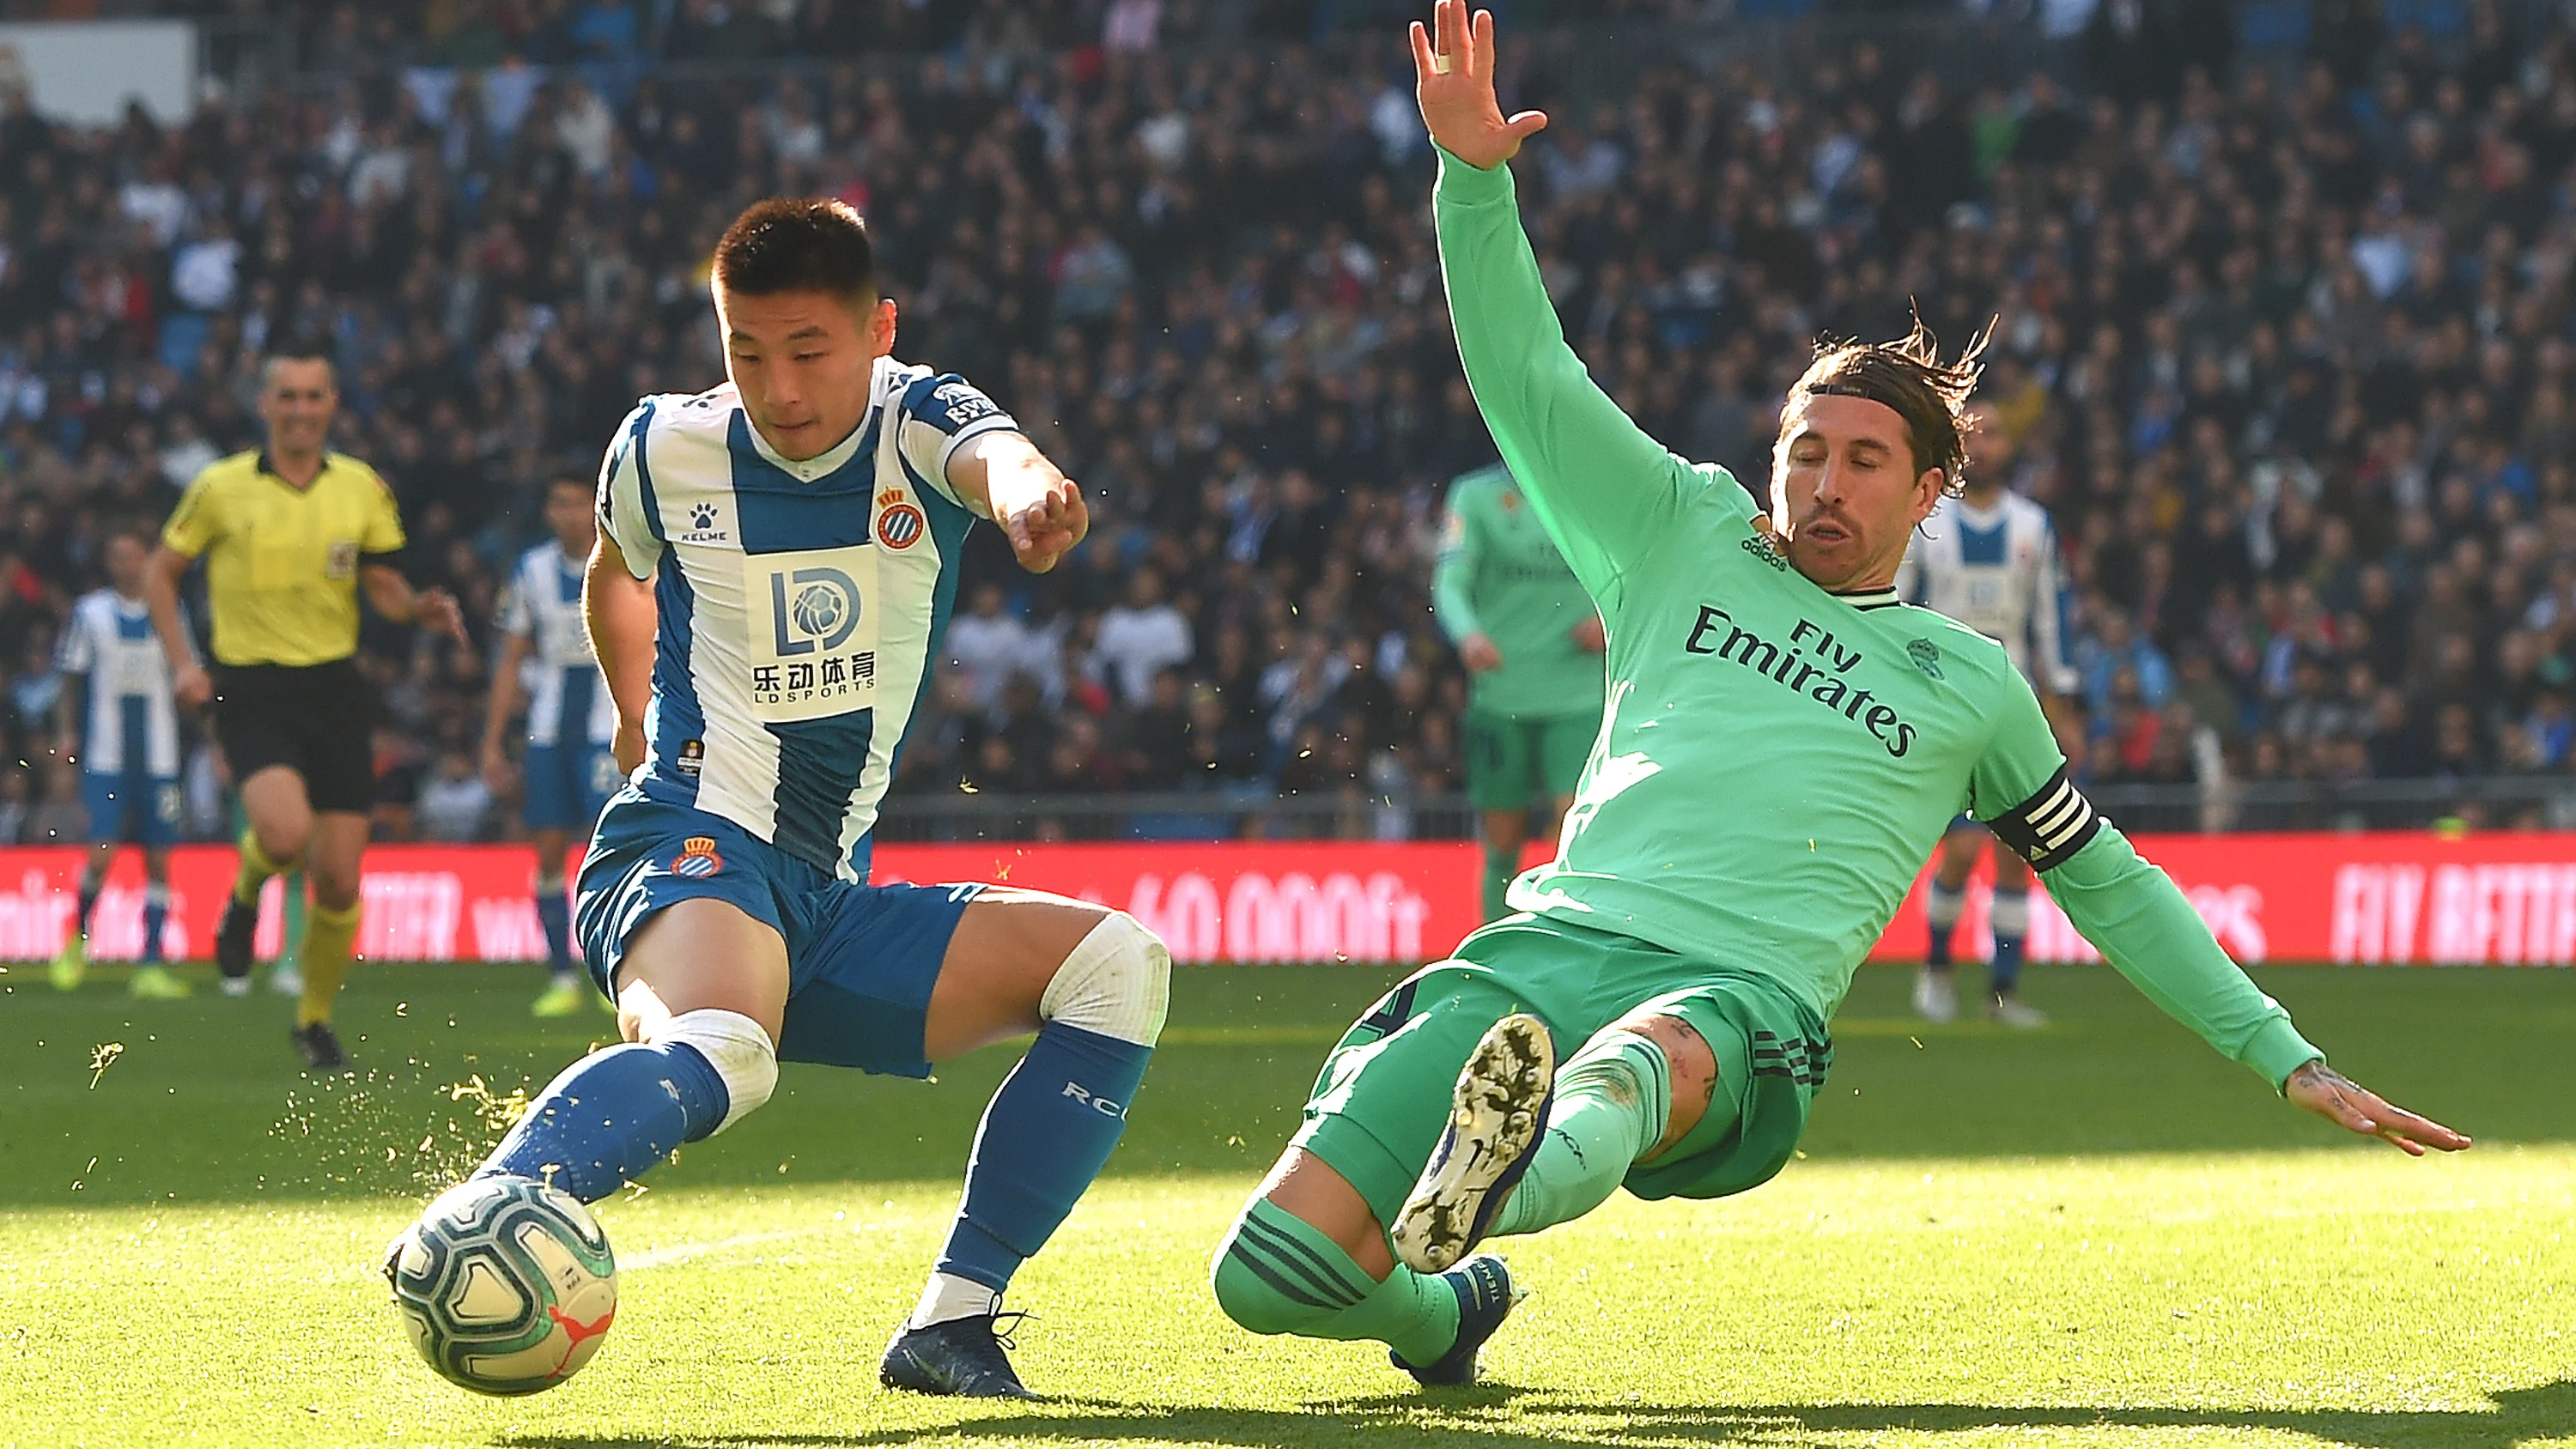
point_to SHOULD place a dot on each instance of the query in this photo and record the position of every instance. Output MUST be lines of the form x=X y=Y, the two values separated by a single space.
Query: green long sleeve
x=1453 y=577
x=1606 y=491
x=2146 y=929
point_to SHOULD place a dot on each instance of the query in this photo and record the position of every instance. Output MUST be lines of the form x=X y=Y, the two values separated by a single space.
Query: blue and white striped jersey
x=800 y=602
x=133 y=717
x=1994 y=570
x=565 y=692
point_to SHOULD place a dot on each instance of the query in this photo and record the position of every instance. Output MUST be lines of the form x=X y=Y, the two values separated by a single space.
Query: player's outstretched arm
x=1605 y=489
x=2149 y=932
x=618 y=610
x=1039 y=509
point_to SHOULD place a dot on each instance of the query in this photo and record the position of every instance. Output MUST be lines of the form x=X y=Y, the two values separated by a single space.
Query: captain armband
x=2049 y=827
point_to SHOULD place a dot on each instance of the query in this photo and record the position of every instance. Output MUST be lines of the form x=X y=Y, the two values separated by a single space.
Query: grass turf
x=2098 y=1234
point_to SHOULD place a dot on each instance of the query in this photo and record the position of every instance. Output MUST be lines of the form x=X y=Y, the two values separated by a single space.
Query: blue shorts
x=132 y=806
x=861 y=959
x=567 y=784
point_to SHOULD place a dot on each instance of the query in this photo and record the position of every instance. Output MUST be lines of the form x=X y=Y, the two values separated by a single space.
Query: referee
x=289 y=533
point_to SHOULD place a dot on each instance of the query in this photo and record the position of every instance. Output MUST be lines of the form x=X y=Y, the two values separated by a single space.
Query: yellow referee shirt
x=282 y=561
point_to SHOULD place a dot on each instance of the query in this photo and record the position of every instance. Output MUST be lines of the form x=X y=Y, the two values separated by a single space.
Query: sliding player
x=1784 y=743
x=776 y=561
x=569 y=770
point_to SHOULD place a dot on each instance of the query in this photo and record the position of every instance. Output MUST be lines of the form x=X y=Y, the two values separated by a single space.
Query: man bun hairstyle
x=797 y=244
x=1908 y=376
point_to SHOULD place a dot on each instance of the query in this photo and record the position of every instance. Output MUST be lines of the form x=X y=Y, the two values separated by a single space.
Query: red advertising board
x=2392 y=898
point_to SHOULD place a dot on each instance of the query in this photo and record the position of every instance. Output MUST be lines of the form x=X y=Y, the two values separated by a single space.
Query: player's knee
x=333 y=891
x=1116 y=982
x=735 y=1046
x=1689 y=1067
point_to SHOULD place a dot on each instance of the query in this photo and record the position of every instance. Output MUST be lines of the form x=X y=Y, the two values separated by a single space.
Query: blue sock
x=156 y=915
x=1044 y=1138
x=2011 y=916
x=1941 y=909
x=555 y=914
x=606 y=1119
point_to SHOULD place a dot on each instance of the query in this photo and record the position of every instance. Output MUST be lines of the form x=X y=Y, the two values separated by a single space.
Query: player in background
x=1784 y=743
x=1531 y=641
x=1988 y=558
x=570 y=770
x=776 y=562
x=290 y=534
x=128 y=748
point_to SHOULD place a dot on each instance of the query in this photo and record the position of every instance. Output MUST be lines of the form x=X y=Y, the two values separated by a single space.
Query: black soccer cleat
x=1485 y=1299
x=233 y=940
x=320 y=1046
x=1497 y=1119
x=962 y=1356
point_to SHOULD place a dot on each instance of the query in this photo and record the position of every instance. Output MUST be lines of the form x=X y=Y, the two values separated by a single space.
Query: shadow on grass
x=1485 y=1417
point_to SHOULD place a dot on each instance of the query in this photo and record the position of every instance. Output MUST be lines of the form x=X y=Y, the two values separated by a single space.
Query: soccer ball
x=506 y=1285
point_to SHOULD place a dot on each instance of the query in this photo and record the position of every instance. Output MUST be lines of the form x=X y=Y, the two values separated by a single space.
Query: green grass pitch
x=2099 y=1234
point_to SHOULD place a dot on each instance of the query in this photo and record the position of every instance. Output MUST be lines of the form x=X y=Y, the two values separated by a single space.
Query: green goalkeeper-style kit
x=1778 y=761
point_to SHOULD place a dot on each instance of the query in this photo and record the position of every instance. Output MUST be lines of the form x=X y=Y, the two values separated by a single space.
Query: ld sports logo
x=697 y=858
x=813 y=632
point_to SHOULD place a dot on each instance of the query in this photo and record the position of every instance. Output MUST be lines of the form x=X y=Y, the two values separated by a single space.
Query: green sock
x=1275 y=1274
x=1500 y=866
x=290 y=940
x=1613 y=1099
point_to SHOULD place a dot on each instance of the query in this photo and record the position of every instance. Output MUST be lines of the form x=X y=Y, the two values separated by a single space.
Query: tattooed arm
x=2339 y=1099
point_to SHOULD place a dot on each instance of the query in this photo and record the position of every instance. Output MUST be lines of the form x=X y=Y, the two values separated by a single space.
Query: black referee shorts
x=314 y=719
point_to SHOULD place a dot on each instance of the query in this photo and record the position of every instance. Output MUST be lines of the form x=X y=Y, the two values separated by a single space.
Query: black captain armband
x=2049 y=827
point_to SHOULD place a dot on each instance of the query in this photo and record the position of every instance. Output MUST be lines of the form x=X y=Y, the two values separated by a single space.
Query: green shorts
x=1383 y=1096
x=1513 y=760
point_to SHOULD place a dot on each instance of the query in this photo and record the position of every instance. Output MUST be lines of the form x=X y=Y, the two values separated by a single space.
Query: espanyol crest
x=899 y=524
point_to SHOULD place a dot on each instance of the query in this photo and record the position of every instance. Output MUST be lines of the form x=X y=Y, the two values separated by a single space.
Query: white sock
x=947 y=1296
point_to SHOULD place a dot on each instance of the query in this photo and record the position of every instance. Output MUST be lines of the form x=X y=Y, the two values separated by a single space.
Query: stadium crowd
x=2285 y=348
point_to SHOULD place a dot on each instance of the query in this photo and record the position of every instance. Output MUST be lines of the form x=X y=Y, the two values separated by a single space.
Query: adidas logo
x=1762 y=546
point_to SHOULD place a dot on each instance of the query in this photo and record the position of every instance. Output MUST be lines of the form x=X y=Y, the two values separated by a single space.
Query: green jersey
x=1779 y=761
x=1501 y=576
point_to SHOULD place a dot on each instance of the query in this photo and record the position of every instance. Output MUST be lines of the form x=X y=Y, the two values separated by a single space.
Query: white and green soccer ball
x=506 y=1285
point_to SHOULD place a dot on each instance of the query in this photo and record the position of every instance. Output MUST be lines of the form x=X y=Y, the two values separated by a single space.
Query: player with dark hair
x=1784 y=743
x=775 y=564
x=1987 y=557
x=122 y=725
x=290 y=534
x=1531 y=641
x=569 y=770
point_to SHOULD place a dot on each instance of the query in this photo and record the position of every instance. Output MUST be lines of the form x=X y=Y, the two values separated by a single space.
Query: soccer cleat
x=1485 y=1298
x=285 y=980
x=565 y=997
x=1497 y=1117
x=233 y=942
x=70 y=965
x=961 y=1356
x=159 y=983
x=321 y=1047
x=1936 y=997
x=2012 y=1011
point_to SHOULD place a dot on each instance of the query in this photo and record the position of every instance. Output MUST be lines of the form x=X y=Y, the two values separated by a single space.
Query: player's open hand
x=1042 y=529
x=2339 y=1099
x=436 y=609
x=1453 y=67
